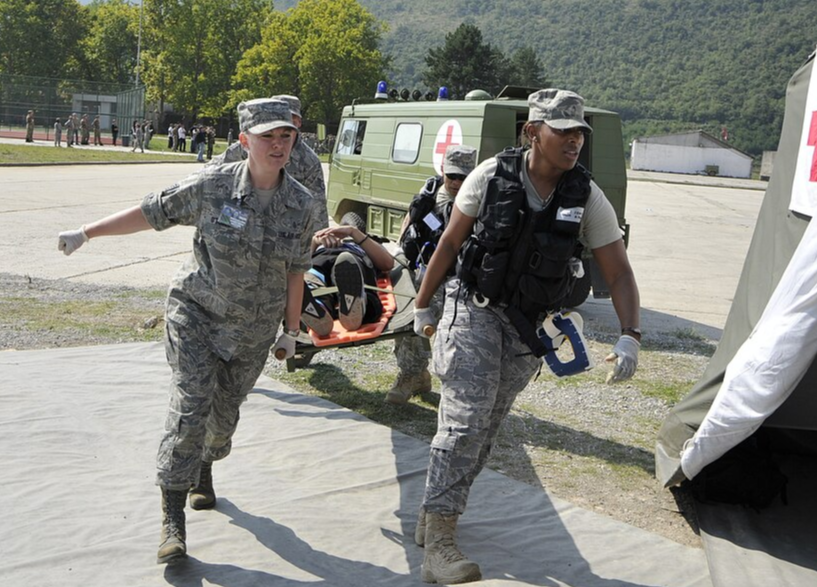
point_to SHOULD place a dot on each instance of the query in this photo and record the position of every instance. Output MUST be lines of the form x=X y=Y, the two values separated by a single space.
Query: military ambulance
x=385 y=151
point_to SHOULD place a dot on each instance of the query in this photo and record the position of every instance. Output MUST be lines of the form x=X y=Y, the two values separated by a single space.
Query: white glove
x=284 y=347
x=71 y=240
x=424 y=322
x=625 y=355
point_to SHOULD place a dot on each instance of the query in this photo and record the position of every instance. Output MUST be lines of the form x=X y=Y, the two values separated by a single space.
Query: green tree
x=324 y=51
x=269 y=67
x=526 y=69
x=41 y=37
x=191 y=49
x=111 y=44
x=464 y=63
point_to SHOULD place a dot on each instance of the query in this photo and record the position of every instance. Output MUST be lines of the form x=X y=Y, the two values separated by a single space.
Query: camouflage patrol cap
x=460 y=159
x=559 y=109
x=293 y=101
x=264 y=114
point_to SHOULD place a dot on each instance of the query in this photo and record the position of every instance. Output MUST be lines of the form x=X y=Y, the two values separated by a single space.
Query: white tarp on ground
x=767 y=367
x=312 y=494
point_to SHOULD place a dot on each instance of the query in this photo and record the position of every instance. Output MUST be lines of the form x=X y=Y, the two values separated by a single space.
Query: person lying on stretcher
x=346 y=258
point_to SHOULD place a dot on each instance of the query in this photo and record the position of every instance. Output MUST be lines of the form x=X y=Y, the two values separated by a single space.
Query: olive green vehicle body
x=377 y=177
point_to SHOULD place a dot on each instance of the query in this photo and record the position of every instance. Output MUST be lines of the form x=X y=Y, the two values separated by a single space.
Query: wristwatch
x=631 y=330
x=292 y=333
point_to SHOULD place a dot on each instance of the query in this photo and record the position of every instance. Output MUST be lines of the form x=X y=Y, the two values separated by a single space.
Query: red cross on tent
x=812 y=142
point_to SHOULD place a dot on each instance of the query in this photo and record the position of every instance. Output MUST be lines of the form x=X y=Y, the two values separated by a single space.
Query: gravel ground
x=582 y=440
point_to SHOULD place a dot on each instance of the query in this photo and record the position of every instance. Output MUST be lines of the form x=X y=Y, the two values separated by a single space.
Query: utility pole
x=139 y=43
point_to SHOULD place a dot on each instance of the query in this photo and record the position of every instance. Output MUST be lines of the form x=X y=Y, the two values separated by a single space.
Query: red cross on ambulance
x=449 y=133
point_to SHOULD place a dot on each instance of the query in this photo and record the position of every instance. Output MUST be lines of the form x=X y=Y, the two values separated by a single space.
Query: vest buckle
x=534 y=260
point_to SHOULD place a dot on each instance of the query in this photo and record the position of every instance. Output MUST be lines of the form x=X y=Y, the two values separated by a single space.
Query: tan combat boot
x=443 y=562
x=407 y=386
x=203 y=496
x=173 y=545
x=420 y=528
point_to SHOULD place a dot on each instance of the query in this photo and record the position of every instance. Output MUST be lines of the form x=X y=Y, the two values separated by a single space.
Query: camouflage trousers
x=206 y=393
x=482 y=365
x=414 y=352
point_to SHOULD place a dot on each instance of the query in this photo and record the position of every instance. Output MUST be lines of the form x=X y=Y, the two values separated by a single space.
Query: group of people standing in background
x=141 y=133
x=77 y=130
x=202 y=139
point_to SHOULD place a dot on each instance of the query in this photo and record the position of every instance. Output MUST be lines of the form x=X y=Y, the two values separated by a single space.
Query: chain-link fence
x=50 y=99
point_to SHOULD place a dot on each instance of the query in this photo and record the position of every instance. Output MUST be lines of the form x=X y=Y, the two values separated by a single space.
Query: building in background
x=693 y=153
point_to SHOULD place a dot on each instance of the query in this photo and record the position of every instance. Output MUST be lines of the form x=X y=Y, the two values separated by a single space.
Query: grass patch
x=627 y=476
x=668 y=391
x=98 y=319
x=158 y=152
x=152 y=294
x=688 y=334
x=682 y=339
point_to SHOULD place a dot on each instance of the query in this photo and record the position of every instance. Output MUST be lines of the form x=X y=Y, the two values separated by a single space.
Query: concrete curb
x=68 y=163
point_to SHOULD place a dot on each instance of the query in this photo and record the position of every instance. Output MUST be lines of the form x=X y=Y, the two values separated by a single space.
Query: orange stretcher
x=340 y=335
x=396 y=292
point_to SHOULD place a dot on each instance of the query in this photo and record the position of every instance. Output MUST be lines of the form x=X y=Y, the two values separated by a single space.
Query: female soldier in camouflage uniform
x=479 y=354
x=225 y=304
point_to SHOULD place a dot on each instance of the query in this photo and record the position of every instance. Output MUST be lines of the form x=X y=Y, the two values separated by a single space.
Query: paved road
x=688 y=241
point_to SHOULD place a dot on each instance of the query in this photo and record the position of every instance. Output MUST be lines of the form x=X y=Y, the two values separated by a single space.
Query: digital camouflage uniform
x=69 y=131
x=84 y=131
x=413 y=352
x=75 y=128
x=304 y=165
x=30 y=127
x=224 y=305
x=483 y=365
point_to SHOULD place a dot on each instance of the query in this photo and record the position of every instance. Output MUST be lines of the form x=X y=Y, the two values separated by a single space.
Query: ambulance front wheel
x=354 y=219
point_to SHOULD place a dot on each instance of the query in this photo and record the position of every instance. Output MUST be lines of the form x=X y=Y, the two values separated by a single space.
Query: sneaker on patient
x=315 y=314
x=347 y=275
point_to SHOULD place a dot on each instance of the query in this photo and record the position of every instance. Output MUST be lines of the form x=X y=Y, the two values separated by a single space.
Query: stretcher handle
x=429 y=330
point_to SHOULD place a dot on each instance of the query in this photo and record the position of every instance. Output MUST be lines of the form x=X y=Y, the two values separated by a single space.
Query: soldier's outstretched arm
x=127 y=221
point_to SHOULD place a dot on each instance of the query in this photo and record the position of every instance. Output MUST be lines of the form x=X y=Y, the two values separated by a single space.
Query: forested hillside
x=665 y=65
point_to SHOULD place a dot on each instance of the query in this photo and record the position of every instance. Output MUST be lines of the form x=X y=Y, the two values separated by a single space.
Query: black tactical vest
x=419 y=240
x=518 y=258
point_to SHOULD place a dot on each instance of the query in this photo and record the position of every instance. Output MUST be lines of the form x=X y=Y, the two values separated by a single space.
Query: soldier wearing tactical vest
x=517 y=226
x=425 y=222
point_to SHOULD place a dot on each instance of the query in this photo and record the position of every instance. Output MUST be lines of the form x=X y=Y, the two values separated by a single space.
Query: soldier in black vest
x=517 y=226
x=425 y=222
